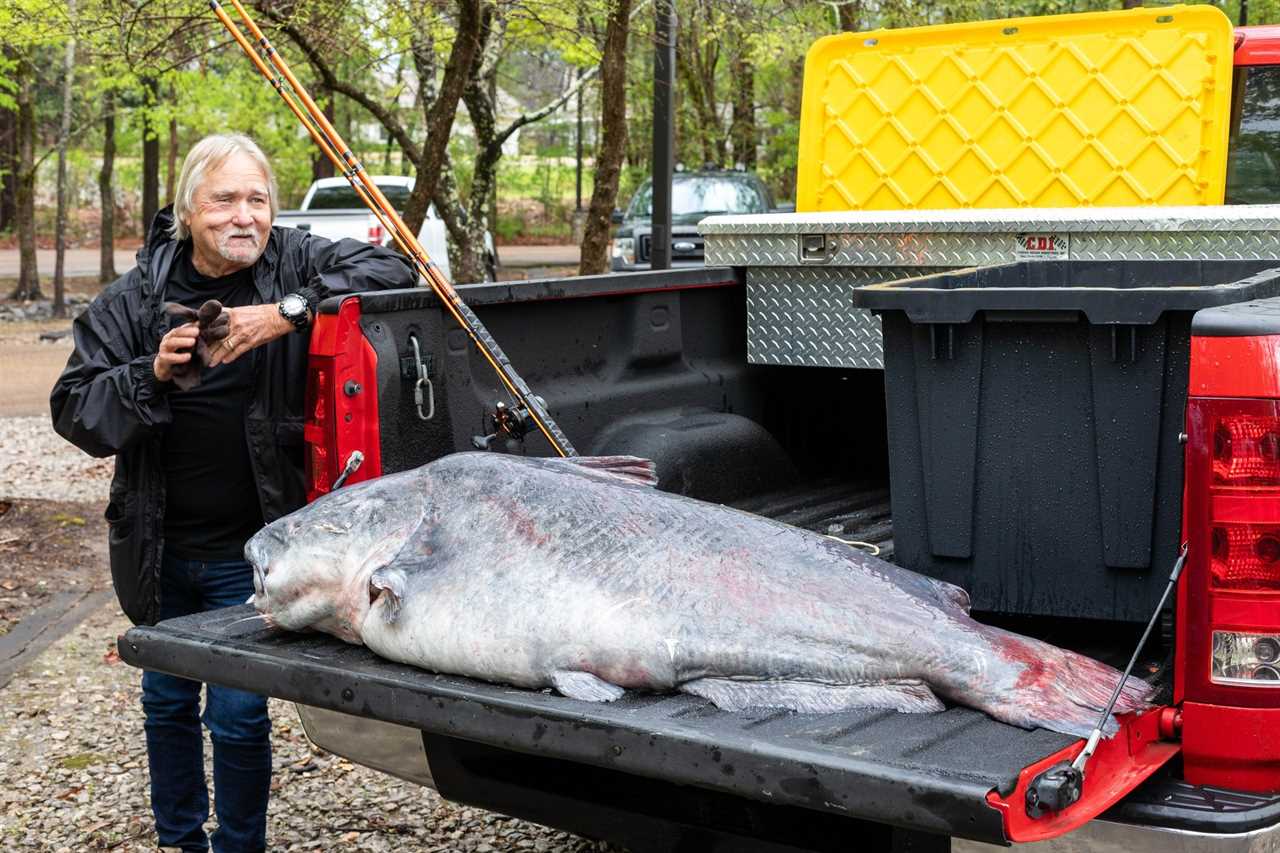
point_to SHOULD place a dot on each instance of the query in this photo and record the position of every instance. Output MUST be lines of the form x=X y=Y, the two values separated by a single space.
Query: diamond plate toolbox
x=802 y=268
x=1099 y=108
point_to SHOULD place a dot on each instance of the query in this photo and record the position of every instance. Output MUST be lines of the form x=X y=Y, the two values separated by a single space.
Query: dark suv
x=694 y=196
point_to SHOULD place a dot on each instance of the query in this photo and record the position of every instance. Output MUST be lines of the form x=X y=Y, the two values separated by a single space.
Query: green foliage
x=8 y=85
x=237 y=99
x=207 y=85
x=540 y=179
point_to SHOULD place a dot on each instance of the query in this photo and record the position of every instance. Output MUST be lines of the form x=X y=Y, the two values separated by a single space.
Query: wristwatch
x=294 y=309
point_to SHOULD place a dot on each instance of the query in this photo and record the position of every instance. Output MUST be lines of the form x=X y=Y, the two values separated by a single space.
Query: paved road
x=80 y=262
x=84 y=262
x=30 y=367
x=539 y=256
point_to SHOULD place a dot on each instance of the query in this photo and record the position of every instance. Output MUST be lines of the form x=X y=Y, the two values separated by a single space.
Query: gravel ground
x=36 y=462
x=73 y=756
x=72 y=748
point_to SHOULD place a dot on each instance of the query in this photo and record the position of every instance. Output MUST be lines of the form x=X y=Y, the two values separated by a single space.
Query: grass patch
x=542 y=180
x=82 y=760
x=514 y=228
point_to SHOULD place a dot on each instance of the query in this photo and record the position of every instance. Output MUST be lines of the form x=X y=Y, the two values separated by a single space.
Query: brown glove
x=214 y=325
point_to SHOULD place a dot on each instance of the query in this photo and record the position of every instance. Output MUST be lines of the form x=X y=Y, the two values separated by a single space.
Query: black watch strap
x=300 y=318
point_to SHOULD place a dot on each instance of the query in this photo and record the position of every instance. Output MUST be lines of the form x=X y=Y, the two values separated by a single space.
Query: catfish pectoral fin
x=585 y=686
x=908 y=695
x=387 y=584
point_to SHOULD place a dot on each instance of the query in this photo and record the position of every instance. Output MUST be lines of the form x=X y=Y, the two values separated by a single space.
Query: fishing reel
x=511 y=423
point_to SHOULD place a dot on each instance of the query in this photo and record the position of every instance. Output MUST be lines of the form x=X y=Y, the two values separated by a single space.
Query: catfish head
x=313 y=568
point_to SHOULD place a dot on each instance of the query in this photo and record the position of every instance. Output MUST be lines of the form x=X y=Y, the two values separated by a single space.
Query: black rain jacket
x=108 y=401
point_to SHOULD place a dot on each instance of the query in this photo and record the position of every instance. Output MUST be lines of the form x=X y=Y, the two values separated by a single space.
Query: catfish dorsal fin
x=630 y=469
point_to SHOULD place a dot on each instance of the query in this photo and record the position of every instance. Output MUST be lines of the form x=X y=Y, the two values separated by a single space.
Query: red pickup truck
x=658 y=364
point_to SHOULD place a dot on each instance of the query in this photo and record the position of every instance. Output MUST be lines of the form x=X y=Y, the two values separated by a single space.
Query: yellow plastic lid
x=1113 y=109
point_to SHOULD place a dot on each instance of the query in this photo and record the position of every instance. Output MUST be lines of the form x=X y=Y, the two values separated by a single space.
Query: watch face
x=293 y=304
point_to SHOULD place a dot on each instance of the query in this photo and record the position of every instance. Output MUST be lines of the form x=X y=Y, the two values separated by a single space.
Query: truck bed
x=928 y=772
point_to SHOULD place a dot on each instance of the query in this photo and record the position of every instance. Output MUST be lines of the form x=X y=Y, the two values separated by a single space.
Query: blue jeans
x=237 y=721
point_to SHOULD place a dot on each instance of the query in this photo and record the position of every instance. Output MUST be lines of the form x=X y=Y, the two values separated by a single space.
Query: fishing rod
x=529 y=407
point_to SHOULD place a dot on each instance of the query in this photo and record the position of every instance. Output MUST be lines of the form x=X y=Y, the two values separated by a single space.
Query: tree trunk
x=480 y=98
x=613 y=140
x=743 y=129
x=64 y=132
x=448 y=206
x=440 y=113
x=705 y=126
x=849 y=16
x=483 y=182
x=171 y=167
x=106 y=194
x=28 y=274
x=150 y=158
x=577 y=147
x=470 y=266
x=8 y=168
x=491 y=222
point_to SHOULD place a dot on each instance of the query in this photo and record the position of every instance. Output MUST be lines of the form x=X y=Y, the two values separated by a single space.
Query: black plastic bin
x=1034 y=413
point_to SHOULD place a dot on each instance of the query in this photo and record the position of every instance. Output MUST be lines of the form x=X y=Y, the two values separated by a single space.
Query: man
x=198 y=471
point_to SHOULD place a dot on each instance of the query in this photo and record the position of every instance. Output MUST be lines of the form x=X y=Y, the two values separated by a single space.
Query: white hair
x=210 y=153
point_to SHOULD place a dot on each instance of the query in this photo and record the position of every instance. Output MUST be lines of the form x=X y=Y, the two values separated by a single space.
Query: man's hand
x=251 y=326
x=175 y=349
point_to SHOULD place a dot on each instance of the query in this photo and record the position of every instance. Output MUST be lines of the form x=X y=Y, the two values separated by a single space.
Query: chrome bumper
x=383 y=746
x=1101 y=836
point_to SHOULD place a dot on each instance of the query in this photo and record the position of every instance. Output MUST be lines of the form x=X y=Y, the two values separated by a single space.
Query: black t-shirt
x=211 y=505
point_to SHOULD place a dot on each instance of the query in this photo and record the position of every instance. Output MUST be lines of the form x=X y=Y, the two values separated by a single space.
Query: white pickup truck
x=332 y=210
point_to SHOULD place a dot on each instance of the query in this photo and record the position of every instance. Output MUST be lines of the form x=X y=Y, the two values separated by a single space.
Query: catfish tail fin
x=1032 y=684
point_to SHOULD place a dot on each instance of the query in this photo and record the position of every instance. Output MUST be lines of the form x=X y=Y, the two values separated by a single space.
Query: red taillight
x=376 y=233
x=1230 y=594
x=1246 y=450
x=1245 y=556
x=342 y=401
x=1232 y=590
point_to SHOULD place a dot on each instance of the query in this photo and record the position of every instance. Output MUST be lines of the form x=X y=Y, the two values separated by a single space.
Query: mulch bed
x=48 y=547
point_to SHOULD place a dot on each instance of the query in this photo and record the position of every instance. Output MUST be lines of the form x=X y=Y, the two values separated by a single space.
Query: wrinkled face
x=231 y=217
x=311 y=568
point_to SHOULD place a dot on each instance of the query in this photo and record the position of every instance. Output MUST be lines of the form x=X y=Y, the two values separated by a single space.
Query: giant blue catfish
x=577 y=574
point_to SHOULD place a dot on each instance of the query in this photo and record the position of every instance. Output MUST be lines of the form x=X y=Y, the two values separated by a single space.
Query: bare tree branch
x=561 y=99
x=385 y=116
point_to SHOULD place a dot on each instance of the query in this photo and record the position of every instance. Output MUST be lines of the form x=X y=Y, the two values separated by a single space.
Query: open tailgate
x=957 y=772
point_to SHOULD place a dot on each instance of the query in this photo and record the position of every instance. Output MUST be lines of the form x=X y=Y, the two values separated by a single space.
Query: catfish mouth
x=259 y=582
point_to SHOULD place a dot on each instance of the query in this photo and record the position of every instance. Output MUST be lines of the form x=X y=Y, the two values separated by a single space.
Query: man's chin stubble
x=239 y=256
